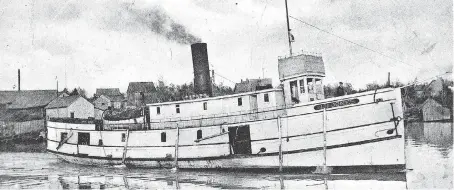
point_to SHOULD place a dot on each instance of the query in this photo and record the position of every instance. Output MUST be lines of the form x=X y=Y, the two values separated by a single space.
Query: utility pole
x=18 y=79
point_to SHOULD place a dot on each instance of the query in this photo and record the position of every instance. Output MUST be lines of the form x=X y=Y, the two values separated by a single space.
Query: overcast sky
x=110 y=43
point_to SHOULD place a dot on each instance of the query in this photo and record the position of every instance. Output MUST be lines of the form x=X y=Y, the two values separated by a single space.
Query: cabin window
x=123 y=137
x=302 y=90
x=163 y=137
x=158 y=110
x=83 y=138
x=205 y=105
x=100 y=142
x=199 y=134
x=72 y=114
x=63 y=136
x=177 y=107
x=240 y=101
x=266 y=97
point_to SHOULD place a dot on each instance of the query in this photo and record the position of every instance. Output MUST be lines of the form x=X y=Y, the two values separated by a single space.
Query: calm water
x=428 y=153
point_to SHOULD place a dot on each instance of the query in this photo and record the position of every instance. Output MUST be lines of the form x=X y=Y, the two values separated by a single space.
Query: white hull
x=362 y=135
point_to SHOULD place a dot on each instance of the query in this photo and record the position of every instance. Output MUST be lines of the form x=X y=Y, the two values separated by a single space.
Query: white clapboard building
x=70 y=107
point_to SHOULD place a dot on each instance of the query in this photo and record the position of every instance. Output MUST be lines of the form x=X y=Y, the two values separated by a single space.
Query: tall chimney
x=18 y=79
x=202 y=81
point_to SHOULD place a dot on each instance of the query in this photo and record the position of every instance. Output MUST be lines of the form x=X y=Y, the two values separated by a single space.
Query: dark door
x=240 y=140
x=83 y=138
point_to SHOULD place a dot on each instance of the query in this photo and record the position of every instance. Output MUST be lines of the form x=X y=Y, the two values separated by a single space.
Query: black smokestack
x=202 y=81
x=18 y=79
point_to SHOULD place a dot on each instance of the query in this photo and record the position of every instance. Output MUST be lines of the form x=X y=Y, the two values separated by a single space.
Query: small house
x=70 y=107
x=434 y=111
x=140 y=93
x=109 y=97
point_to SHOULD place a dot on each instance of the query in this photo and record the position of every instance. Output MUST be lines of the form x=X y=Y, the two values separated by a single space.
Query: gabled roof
x=108 y=91
x=63 y=102
x=27 y=98
x=250 y=85
x=145 y=87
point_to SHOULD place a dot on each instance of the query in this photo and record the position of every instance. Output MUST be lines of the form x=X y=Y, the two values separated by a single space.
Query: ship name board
x=336 y=104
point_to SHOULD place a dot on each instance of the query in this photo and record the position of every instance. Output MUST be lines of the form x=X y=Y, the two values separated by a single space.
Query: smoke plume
x=160 y=23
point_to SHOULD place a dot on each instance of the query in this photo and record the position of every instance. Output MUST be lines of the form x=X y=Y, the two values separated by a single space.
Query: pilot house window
x=302 y=90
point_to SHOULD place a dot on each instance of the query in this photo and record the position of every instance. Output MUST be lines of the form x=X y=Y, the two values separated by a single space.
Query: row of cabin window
x=266 y=98
x=84 y=138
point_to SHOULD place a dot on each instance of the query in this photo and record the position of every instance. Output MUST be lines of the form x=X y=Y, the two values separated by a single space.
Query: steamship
x=292 y=126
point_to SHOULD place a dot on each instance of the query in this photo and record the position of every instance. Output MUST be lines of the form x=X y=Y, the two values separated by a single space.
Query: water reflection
x=429 y=155
x=435 y=134
x=215 y=180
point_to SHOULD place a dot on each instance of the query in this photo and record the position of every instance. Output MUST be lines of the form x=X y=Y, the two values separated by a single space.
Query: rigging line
x=375 y=51
x=425 y=80
x=224 y=78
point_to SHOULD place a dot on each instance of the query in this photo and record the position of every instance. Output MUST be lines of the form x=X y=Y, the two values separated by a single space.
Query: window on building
x=163 y=137
x=72 y=114
x=83 y=138
x=63 y=136
x=199 y=134
x=240 y=101
x=177 y=107
x=103 y=104
x=266 y=97
x=205 y=105
x=158 y=110
x=123 y=137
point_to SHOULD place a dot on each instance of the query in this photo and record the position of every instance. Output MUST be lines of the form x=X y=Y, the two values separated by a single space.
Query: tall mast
x=288 y=29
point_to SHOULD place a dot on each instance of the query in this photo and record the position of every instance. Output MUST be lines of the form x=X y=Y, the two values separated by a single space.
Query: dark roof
x=27 y=98
x=108 y=91
x=118 y=98
x=7 y=96
x=250 y=85
x=20 y=115
x=145 y=87
x=62 y=102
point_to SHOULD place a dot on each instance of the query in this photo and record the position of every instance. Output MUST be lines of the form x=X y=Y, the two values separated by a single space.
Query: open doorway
x=240 y=140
